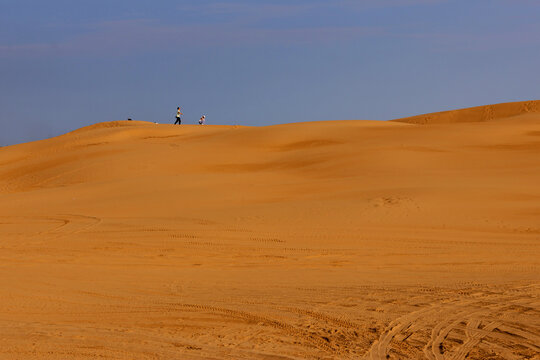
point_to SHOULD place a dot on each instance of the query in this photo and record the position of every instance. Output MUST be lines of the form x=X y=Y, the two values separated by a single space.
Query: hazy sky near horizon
x=70 y=63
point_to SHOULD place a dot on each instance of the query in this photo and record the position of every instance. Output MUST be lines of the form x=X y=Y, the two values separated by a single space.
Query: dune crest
x=110 y=124
x=476 y=114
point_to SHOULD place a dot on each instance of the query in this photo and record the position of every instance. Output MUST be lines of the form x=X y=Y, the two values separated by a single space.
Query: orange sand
x=416 y=238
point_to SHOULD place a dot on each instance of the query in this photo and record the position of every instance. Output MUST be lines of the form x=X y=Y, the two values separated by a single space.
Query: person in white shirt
x=178 y=116
x=202 y=120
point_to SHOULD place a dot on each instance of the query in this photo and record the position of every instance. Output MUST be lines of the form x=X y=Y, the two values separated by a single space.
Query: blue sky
x=70 y=63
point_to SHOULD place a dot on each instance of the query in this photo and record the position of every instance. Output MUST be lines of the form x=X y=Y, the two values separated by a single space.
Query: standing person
x=202 y=120
x=178 y=116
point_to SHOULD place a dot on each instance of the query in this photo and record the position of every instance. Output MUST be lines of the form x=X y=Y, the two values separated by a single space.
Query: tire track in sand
x=72 y=224
x=323 y=317
x=317 y=341
x=473 y=337
x=379 y=348
x=434 y=348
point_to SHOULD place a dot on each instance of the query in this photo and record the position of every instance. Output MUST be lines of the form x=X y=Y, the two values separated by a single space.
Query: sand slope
x=416 y=238
x=476 y=114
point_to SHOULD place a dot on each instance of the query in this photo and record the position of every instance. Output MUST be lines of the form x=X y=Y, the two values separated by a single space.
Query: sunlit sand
x=408 y=239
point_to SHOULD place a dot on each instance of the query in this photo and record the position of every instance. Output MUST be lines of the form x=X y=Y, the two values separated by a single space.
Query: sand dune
x=408 y=239
x=476 y=114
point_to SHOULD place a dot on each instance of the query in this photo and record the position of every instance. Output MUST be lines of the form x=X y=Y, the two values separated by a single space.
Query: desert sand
x=417 y=238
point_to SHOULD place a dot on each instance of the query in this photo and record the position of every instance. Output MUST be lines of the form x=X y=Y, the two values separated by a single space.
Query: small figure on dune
x=178 y=116
x=202 y=120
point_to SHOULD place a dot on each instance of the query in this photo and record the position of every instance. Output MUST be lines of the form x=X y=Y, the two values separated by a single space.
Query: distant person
x=178 y=116
x=202 y=120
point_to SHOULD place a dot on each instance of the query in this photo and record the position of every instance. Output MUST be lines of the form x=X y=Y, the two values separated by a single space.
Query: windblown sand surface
x=407 y=239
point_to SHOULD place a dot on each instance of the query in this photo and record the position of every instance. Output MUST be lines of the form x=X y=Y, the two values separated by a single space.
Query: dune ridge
x=408 y=239
x=476 y=114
